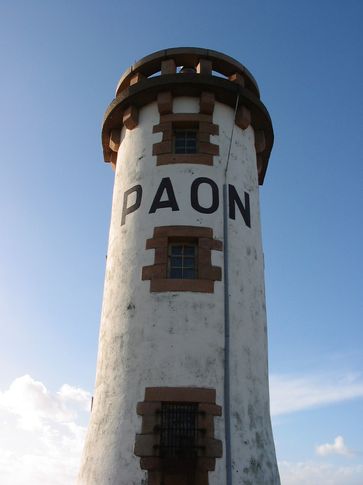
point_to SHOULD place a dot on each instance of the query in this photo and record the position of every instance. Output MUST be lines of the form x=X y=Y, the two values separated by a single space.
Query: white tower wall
x=176 y=338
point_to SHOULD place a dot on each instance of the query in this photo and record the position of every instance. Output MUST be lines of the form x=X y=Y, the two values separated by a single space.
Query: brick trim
x=205 y=126
x=115 y=140
x=243 y=117
x=137 y=77
x=165 y=102
x=202 y=122
x=147 y=442
x=198 y=158
x=196 y=286
x=205 y=67
x=237 y=78
x=183 y=231
x=131 y=117
x=260 y=141
x=157 y=273
x=206 y=103
x=168 y=66
x=146 y=90
x=181 y=394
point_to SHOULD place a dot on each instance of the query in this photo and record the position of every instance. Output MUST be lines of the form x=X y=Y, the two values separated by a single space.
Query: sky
x=60 y=63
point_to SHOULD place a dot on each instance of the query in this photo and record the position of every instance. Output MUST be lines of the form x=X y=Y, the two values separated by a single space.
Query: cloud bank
x=290 y=394
x=41 y=436
x=42 y=433
x=311 y=473
x=336 y=448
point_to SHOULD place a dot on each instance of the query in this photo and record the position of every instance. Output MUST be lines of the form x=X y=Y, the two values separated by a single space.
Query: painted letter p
x=127 y=210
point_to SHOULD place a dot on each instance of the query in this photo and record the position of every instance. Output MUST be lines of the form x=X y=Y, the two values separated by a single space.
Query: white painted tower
x=181 y=394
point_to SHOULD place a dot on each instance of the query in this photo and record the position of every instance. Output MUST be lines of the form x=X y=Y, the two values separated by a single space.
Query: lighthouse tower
x=181 y=394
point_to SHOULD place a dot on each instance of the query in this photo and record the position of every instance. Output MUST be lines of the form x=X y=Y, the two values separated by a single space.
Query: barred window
x=185 y=141
x=178 y=431
x=183 y=260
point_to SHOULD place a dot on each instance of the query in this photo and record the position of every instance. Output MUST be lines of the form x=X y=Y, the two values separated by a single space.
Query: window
x=178 y=430
x=185 y=141
x=186 y=137
x=182 y=260
x=177 y=443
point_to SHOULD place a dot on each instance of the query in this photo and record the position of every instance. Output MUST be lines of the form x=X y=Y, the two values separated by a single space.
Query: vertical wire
x=227 y=387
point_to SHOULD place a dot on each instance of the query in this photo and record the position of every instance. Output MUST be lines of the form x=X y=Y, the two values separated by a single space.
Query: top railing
x=204 y=61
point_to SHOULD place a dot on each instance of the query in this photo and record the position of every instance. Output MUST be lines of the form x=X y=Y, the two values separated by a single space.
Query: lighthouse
x=181 y=394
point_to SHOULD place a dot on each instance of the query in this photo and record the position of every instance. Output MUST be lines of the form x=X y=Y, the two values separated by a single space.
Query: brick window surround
x=206 y=273
x=183 y=470
x=201 y=123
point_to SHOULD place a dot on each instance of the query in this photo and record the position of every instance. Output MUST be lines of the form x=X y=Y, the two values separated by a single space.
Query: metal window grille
x=183 y=261
x=185 y=141
x=179 y=430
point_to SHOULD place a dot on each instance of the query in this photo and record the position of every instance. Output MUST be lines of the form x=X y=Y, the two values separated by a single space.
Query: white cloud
x=290 y=394
x=42 y=432
x=41 y=437
x=68 y=394
x=336 y=448
x=312 y=473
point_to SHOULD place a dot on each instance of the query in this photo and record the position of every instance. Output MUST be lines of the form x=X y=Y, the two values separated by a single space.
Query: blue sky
x=60 y=63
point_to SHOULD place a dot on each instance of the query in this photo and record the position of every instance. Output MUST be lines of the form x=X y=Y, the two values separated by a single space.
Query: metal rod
x=227 y=386
x=227 y=404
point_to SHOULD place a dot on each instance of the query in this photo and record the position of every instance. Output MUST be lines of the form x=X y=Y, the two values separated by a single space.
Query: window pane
x=176 y=261
x=189 y=250
x=189 y=273
x=176 y=250
x=188 y=262
x=190 y=143
x=176 y=273
x=185 y=141
x=182 y=261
